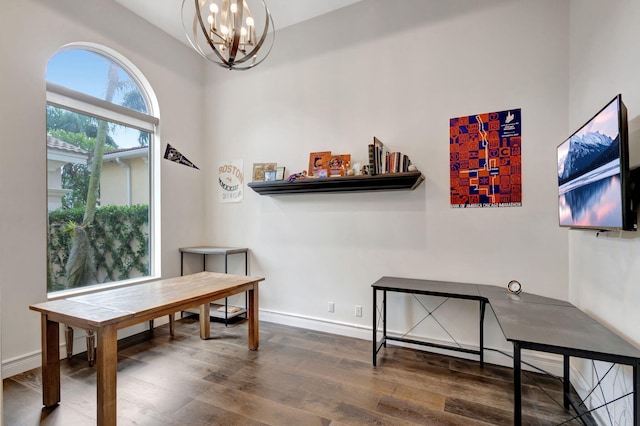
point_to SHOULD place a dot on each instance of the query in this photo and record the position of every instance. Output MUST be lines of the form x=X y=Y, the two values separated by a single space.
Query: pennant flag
x=176 y=156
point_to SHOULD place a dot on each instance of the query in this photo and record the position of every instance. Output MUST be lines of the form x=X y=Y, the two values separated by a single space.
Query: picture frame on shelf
x=270 y=175
x=321 y=173
x=280 y=173
x=260 y=168
x=338 y=164
x=318 y=161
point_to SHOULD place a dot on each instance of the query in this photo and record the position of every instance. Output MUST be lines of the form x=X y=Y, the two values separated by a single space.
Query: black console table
x=529 y=322
x=224 y=251
x=430 y=288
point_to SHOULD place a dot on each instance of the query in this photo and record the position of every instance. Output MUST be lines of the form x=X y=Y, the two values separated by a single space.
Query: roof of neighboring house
x=136 y=152
x=64 y=146
x=117 y=151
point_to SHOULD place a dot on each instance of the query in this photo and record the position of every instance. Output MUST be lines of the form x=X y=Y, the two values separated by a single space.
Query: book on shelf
x=382 y=161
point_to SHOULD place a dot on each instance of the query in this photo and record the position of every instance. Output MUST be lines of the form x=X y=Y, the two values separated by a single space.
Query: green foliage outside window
x=117 y=236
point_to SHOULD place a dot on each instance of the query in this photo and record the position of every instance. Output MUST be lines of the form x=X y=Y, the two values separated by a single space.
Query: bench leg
x=91 y=343
x=172 y=324
x=68 y=341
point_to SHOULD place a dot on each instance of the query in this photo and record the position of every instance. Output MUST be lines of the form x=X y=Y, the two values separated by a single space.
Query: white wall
x=604 y=270
x=398 y=73
x=31 y=31
x=331 y=83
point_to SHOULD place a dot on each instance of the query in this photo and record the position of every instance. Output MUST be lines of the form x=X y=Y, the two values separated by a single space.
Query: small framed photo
x=260 y=168
x=320 y=173
x=280 y=173
x=269 y=175
x=318 y=161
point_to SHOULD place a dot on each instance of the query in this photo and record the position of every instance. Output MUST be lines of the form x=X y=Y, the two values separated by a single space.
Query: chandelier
x=224 y=32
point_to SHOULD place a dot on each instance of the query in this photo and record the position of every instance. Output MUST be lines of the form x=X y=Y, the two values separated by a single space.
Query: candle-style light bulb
x=250 y=29
x=213 y=8
x=243 y=35
x=234 y=8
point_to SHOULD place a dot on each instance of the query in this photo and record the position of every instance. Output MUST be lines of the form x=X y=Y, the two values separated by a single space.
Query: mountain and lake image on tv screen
x=589 y=180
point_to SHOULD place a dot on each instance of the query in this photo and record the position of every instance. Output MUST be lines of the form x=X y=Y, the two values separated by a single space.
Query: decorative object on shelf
x=227 y=34
x=319 y=161
x=280 y=173
x=269 y=175
x=231 y=181
x=259 y=169
x=338 y=164
x=172 y=154
x=296 y=176
x=514 y=287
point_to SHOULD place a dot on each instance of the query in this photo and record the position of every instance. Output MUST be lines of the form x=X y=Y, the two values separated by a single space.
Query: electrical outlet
x=358 y=310
x=331 y=307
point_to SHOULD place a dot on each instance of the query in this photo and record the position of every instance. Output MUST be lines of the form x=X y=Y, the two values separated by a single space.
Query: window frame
x=82 y=103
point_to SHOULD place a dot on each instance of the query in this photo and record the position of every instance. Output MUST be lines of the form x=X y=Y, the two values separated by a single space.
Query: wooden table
x=108 y=311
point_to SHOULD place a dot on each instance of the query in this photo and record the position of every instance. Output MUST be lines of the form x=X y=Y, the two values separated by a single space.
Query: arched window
x=102 y=171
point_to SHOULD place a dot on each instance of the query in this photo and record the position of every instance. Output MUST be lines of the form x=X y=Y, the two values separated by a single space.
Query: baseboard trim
x=547 y=362
x=29 y=361
x=23 y=363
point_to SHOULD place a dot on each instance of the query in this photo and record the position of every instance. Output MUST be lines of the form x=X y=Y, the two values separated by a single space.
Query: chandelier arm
x=205 y=31
x=248 y=67
x=262 y=39
x=194 y=35
x=237 y=30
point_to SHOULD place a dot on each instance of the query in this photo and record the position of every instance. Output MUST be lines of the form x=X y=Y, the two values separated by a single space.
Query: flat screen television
x=594 y=181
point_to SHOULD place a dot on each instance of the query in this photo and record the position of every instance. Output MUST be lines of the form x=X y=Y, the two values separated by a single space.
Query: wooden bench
x=106 y=312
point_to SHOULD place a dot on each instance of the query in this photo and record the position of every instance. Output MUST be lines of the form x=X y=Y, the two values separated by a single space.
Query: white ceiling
x=166 y=14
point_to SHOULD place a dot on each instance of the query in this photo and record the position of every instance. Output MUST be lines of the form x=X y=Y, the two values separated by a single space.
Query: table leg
x=254 y=336
x=566 y=383
x=384 y=318
x=517 y=385
x=172 y=324
x=107 y=360
x=483 y=306
x=375 y=329
x=636 y=393
x=50 y=362
x=205 y=321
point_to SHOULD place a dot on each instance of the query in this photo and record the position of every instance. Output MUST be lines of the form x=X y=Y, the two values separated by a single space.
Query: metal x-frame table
x=528 y=321
x=429 y=288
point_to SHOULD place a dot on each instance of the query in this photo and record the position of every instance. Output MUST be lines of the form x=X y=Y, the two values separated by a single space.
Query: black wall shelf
x=384 y=182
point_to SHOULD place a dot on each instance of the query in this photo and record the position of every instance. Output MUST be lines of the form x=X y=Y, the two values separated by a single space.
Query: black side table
x=225 y=251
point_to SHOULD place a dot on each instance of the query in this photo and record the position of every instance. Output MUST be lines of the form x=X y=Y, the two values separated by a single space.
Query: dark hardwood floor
x=297 y=377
